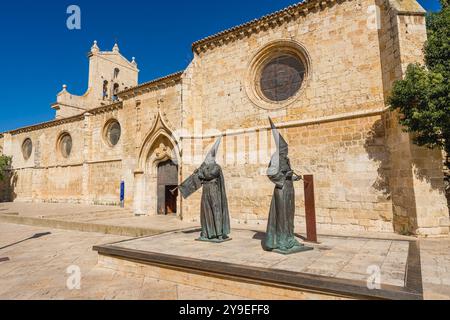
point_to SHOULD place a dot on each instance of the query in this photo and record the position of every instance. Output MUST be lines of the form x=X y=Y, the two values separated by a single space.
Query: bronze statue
x=214 y=215
x=280 y=235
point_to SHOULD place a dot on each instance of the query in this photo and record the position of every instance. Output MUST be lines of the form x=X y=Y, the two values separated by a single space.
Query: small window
x=27 y=148
x=116 y=73
x=65 y=145
x=113 y=133
x=115 y=91
x=105 y=89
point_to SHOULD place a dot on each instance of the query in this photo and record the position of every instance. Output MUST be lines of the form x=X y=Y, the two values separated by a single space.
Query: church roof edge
x=281 y=16
x=171 y=77
x=60 y=121
x=247 y=27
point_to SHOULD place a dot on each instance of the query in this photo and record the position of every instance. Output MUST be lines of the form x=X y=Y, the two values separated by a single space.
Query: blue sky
x=39 y=54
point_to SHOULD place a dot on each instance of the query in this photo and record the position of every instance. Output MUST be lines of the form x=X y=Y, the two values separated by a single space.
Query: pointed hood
x=282 y=145
x=211 y=156
x=282 y=150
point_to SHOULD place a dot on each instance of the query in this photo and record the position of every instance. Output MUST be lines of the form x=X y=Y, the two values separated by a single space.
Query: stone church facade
x=322 y=69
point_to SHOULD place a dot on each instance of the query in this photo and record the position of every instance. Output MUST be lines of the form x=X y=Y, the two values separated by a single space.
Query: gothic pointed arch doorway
x=157 y=173
x=157 y=178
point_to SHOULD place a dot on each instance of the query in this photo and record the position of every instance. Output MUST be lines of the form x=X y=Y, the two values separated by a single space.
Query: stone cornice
x=58 y=122
x=264 y=23
x=411 y=13
x=151 y=85
x=48 y=124
x=407 y=7
x=57 y=105
x=294 y=123
x=108 y=108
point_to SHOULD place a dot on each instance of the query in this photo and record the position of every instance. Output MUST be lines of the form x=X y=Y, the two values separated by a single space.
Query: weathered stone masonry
x=369 y=175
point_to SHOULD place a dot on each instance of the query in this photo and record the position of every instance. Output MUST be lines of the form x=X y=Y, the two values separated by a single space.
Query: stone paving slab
x=28 y=209
x=435 y=254
x=37 y=270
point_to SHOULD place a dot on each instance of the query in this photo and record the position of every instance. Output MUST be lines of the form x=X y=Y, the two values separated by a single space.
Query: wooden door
x=167 y=181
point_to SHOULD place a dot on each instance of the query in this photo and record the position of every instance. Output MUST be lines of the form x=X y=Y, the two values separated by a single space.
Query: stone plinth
x=339 y=267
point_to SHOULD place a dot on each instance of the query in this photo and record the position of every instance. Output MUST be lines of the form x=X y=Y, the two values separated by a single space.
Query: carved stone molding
x=163 y=153
x=270 y=51
x=160 y=130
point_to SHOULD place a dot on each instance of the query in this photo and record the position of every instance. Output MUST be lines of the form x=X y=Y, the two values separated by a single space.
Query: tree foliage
x=423 y=96
x=5 y=163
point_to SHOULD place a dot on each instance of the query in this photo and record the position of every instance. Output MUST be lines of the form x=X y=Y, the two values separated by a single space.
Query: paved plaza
x=35 y=261
x=38 y=269
x=102 y=219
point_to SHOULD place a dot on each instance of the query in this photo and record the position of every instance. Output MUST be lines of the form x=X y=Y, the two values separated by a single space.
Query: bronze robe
x=214 y=215
x=280 y=227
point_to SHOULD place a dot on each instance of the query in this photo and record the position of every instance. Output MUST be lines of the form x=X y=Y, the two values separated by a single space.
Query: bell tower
x=109 y=73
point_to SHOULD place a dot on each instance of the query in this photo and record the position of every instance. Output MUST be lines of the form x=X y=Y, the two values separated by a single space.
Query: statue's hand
x=200 y=174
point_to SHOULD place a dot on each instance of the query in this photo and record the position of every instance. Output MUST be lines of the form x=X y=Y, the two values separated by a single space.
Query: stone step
x=120 y=230
x=92 y=216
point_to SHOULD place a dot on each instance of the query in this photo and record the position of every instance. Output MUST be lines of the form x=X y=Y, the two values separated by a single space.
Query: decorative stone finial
x=95 y=47
x=133 y=61
x=115 y=48
x=64 y=87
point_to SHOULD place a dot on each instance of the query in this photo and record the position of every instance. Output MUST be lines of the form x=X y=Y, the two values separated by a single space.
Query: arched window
x=116 y=73
x=105 y=89
x=112 y=132
x=115 y=91
x=65 y=145
x=27 y=148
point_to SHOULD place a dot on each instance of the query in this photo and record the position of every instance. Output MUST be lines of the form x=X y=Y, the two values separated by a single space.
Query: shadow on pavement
x=36 y=236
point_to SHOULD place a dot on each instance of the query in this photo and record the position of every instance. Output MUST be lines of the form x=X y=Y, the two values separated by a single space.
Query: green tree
x=5 y=163
x=423 y=96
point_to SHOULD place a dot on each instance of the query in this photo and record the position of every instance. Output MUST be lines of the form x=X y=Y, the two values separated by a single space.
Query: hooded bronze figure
x=214 y=215
x=280 y=235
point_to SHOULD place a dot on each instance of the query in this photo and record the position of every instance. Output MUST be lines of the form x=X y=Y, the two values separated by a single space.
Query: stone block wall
x=89 y=175
x=151 y=117
x=347 y=157
x=344 y=76
x=417 y=184
x=368 y=174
